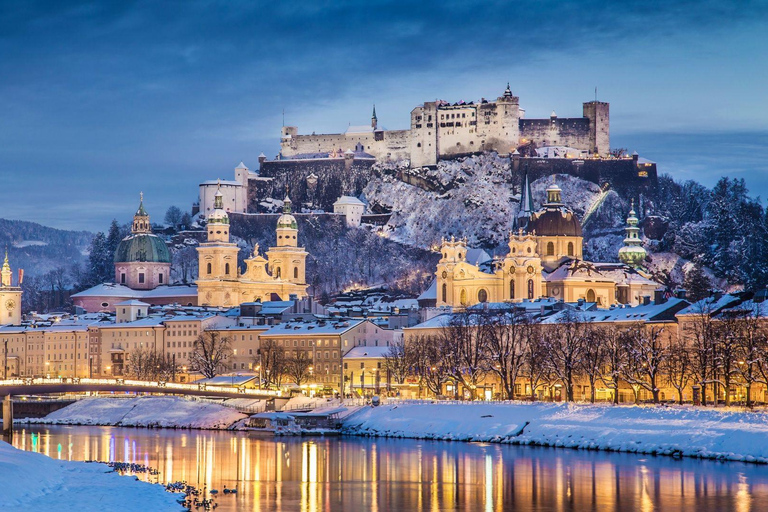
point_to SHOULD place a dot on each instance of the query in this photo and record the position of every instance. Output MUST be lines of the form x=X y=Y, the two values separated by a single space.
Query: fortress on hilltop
x=440 y=129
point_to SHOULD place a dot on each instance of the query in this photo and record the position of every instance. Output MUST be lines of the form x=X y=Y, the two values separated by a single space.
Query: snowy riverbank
x=143 y=411
x=694 y=432
x=31 y=482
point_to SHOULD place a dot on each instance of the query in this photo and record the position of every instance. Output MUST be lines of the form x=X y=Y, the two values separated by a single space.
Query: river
x=364 y=474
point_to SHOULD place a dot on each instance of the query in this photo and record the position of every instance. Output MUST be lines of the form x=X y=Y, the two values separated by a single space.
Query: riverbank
x=32 y=482
x=676 y=431
x=143 y=411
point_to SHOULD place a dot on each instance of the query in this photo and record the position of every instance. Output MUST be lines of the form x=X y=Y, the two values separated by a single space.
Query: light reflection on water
x=329 y=474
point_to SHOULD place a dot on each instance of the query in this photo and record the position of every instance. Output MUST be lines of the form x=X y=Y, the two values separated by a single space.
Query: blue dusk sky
x=101 y=100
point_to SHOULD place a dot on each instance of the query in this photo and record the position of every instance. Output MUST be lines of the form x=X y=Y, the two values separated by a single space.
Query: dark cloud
x=110 y=97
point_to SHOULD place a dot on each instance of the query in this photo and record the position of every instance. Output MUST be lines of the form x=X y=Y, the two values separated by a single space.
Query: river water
x=363 y=474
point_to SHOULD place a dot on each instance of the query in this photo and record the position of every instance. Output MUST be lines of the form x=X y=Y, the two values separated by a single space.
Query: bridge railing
x=128 y=383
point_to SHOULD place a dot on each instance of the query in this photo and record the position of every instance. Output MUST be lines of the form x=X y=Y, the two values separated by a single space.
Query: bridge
x=29 y=386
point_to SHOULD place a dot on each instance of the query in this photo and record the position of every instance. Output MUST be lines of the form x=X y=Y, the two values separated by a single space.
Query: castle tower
x=142 y=260
x=599 y=126
x=633 y=253
x=217 y=261
x=10 y=296
x=287 y=261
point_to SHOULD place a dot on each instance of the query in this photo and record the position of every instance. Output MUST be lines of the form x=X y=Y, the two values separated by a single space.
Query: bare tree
x=210 y=353
x=593 y=358
x=752 y=345
x=298 y=367
x=678 y=367
x=142 y=363
x=535 y=365
x=466 y=349
x=429 y=362
x=647 y=354
x=272 y=359
x=615 y=359
x=506 y=334
x=398 y=361
x=565 y=343
x=702 y=333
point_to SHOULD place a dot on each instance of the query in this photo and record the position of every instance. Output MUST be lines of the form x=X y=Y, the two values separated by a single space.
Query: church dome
x=554 y=222
x=286 y=220
x=143 y=247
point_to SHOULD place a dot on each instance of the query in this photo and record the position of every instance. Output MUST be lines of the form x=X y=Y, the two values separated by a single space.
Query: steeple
x=553 y=195
x=374 y=119
x=141 y=218
x=633 y=253
x=5 y=280
x=507 y=92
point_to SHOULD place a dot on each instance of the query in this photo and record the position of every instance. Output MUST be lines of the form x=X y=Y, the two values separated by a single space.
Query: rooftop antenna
x=284 y=109
x=595 y=94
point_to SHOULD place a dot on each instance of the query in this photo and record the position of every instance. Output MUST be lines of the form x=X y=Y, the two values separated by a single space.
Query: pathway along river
x=348 y=473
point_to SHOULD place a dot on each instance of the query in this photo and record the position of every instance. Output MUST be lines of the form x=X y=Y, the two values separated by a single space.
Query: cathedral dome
x=143 y=247
x=554 y=222
x=286 y=220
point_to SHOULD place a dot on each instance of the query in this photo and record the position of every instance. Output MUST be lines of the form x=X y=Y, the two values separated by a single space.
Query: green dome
x=287 y=220
x=142 y=247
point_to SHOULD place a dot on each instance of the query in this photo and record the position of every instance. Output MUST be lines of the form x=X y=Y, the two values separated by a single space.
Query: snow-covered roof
x=711 y=305
x=430 y=293
x=317 y=327
x=132 y=302
x=476 y=256
x=349 y=200
x=242 y=165
x=644 y=313
x=227 y=380
x=150 y=321
x=619 y=273
x=119 y=290
x=367 y=352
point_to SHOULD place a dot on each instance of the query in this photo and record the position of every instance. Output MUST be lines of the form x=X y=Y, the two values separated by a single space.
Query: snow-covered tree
x=210 y=353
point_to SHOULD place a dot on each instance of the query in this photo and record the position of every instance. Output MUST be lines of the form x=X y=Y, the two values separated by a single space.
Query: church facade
x=544 y=260
x=280 y=272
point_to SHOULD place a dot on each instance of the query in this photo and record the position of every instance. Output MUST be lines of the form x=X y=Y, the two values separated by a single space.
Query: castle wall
x=571 y=132
x=382 y=144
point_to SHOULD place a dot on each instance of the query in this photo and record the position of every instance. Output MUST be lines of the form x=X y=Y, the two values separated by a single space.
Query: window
x=482 y=295
x=141 y=277
x=160 y=278
x=512 y=289
x=550 y=249
x=530 y=288
x=445 y=292
x=591 y=295
x=122 y=277
x=209 y=268
x=570 y=248
x=226 y=268
x=277 y=274
x=463 y=296
x=295 y=272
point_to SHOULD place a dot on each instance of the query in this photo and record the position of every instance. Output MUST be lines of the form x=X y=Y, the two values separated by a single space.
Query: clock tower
x=10 y=296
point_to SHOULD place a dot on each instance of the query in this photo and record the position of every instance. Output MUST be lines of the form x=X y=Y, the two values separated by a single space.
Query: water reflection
x=318 y=474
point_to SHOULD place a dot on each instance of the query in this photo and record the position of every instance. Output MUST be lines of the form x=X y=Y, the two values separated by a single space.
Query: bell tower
x=10 y=296
x=287 y=261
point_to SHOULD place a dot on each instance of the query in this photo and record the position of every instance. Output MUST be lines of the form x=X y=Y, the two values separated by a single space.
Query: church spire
x=5 y=280
x=633 y=253
x=526 y=205
x=374 y=119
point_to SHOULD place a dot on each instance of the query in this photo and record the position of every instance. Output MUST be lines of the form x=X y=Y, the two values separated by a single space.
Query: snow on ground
x=144 y=411
x=695 y=432
x=31 y=482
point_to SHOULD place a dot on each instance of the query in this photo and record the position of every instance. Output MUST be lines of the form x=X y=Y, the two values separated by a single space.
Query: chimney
x=658 y=297
x=646 y=300
x=680 y=293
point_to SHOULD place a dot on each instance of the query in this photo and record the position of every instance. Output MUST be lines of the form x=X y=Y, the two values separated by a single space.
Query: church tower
x=217 y=261
x=287 y=261
x=522 y=268
x=633 y=253
x=10 y=296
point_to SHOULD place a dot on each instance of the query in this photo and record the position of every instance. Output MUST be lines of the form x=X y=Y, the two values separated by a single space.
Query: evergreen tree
x=696 y=284
x=114 y=237
x=97 y=270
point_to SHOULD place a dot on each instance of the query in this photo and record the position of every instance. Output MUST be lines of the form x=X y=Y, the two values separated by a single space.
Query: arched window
x=550 y=249
x=226 y=268
x=530 y=288
x=209 y=268
x=591 y=295
x=463 y=296
x=570 y=249
x=277 y=273
x=512 y=289
x=482 y=295
x=445 y=292
x=295 y=272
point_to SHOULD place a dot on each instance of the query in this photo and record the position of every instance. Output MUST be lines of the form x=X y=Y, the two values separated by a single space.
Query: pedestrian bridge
x=29 y=386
